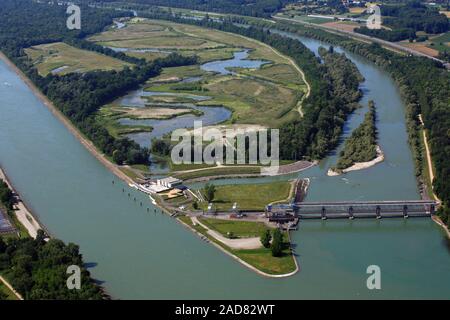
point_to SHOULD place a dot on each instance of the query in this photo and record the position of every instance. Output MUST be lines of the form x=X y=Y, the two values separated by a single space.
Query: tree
x=2 y=245
x=265 y=238
x=209 y=191
x=277 y=243
x=161 y=147
x=231 y=235
x=195 y=205
x=3 y=295
x=118 y=157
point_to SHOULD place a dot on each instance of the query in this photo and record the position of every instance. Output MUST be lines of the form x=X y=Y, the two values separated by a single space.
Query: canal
x=147 y=255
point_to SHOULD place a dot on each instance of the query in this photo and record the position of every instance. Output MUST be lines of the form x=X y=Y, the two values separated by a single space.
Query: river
x=140 y=254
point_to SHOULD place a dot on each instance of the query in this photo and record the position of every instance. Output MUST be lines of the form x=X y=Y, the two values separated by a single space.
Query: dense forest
x=37 y=269
x=424 y=85
x=257 y=8
x=334 y=90
x=79 y=96
x=361 y=145
x=405 y=20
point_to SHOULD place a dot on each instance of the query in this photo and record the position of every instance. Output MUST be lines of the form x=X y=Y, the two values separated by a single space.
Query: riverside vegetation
x=361 y=145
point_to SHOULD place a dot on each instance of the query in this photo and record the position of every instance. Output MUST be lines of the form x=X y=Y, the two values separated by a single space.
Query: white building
x=169 y=182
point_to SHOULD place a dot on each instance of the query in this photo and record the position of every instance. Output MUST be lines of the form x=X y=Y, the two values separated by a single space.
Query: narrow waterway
x=140 y=254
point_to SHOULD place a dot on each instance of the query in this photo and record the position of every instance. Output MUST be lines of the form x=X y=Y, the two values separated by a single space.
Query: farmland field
x=50 y=57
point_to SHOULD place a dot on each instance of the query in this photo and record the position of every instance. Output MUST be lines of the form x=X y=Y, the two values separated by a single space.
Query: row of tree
x=6 y=195
x=257 y=8
x=37 y=269
x=274 y=241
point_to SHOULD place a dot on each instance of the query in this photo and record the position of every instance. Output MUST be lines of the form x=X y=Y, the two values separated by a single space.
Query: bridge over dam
x=351 y=209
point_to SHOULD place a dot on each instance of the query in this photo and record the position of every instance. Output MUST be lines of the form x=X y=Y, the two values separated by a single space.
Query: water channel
x=140 y=254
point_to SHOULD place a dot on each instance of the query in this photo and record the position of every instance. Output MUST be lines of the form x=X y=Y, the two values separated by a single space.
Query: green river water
x=140 y=254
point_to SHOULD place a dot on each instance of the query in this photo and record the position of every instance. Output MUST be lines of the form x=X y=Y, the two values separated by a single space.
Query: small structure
x=160 y=185
x=283 y=214
x=211 y=209
x=169 y=182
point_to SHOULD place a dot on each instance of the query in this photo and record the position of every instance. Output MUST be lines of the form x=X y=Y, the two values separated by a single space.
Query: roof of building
x=170 y=180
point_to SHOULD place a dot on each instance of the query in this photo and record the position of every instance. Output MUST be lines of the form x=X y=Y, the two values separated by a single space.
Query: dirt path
x=6 y=283
x=22 y=213
x=244 y=243
x=428 y=154
x=84 y=141
x=292 y=62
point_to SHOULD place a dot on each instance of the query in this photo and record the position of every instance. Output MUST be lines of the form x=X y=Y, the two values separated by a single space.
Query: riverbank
x=208 y=239
x=89 y=145
x=23 y=214
x=431 y=176
x=359 y=165
x=6 y=283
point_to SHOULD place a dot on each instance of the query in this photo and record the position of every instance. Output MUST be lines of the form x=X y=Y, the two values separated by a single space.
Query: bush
x=265 y=238
x=277 y=243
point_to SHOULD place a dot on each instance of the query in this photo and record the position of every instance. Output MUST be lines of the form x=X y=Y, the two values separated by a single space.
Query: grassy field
x=266 y=96
x=253 y=101
x=178 y=73
x=48 y=57
x=108 y=117
x=148 y=34
x=264 y=261
x=209 y=44
x=4 y=291
x=441 y=43
x=250 y=196
x=241 y=229
x=261 y=259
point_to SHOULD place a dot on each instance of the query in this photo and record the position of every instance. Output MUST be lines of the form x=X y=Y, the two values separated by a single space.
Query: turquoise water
x=140 y=254
x=239 y=60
